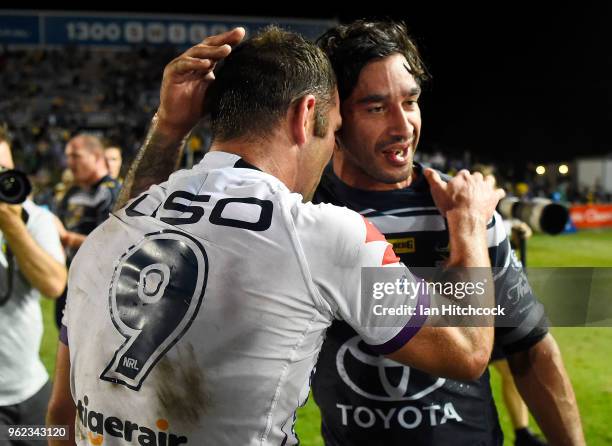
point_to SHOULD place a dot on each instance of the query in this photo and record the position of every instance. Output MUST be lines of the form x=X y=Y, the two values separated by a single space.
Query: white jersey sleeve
x=196 y=313
x=338 y=243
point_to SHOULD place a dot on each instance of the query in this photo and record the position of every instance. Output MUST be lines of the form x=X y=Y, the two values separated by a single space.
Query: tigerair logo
x=99 y=425
x=403 y=245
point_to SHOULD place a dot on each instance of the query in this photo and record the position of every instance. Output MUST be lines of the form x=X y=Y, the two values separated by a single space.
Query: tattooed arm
x=157 y=158
x=184 y=85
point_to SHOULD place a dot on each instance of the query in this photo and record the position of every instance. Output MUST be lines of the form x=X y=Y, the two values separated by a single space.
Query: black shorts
x=31 y=412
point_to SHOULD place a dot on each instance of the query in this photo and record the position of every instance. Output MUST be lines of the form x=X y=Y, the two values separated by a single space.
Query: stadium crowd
x=49 y=95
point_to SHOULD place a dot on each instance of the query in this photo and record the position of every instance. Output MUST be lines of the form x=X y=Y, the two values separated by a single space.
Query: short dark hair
x=256 y=84
x=351 y=47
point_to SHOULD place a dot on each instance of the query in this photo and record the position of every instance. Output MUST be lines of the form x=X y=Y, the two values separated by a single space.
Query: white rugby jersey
x=195 y=314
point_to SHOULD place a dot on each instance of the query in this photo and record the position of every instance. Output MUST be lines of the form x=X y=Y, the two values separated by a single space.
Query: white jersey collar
x=218 y=160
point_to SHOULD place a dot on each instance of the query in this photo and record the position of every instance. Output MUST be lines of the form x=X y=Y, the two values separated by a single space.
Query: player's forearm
x=469 y=257
x=542 y=380
x=62 y=410
x=41 y=270
x=64 y=417
x=443 y=352
x=467 y=240
x=154 y=162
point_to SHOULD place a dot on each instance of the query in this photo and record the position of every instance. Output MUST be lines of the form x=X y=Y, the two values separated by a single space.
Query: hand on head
x=187 y=77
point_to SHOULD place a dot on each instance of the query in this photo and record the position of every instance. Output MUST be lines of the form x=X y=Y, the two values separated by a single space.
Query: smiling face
x=381 y=124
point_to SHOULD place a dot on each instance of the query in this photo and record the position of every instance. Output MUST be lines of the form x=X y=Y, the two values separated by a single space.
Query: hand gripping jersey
x=195 y=315
x=369 y=400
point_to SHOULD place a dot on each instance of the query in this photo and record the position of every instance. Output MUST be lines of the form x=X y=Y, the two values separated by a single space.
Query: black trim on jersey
x=402 y=214
x=498 y=254
x=332 y=190
x=242 y=164
x=409 y=331
x=524 y=344
x=491 y=223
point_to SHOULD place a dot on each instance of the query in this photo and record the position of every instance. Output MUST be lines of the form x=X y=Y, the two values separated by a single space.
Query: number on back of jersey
x=156 y=292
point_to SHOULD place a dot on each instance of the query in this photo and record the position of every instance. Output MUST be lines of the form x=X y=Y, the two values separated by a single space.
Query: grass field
x=586 y=351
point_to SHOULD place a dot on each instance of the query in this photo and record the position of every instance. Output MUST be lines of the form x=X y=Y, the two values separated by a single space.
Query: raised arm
x=183 y=88
x=468 y=202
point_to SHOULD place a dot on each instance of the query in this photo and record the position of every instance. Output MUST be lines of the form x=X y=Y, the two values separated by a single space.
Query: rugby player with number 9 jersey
x=196 y=313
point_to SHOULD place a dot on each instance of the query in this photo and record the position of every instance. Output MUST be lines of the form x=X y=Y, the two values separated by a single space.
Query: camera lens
x=14 y=187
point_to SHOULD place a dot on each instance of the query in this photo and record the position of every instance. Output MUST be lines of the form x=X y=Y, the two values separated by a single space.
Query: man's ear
x=302 y=118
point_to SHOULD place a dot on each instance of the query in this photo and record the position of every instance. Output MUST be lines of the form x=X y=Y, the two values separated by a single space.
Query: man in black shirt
x=88 y=202
x=366 y=399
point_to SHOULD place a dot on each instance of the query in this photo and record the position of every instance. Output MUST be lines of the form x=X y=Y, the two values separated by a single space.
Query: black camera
x=541 y=214
x=14 y=186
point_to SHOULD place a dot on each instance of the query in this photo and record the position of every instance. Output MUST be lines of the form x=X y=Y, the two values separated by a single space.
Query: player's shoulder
x=339 y=235
x=107 y=242
x=328 y=220
x=327 y=231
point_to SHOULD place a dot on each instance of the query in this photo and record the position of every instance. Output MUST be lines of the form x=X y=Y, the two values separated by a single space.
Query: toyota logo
x=398 y=392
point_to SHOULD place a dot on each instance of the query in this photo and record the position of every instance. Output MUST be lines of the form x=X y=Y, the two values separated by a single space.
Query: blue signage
x=128 y=30
x=19 y=29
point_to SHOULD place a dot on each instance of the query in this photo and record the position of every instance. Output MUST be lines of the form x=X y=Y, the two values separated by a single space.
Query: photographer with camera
x=31 y=265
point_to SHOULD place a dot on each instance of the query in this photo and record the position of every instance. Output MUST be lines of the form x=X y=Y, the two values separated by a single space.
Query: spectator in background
x=31 y=265
x=42 y=190
x=60 y=189
x=88 y=202
x=113 y=161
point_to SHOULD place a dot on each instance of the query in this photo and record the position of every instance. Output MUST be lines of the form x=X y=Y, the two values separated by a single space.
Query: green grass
x=586 y=248
x=586 y=351
x=48 y=346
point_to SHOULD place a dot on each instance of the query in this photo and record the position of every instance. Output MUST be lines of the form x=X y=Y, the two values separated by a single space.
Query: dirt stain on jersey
x=181 y=387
